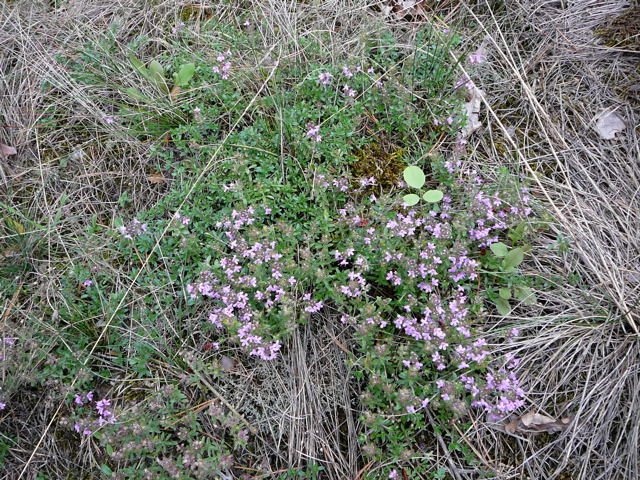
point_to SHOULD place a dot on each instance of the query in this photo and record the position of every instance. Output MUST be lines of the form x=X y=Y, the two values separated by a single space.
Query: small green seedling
x=414 y=176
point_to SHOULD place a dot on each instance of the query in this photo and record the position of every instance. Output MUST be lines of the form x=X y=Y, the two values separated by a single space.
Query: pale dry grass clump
x=547 y=77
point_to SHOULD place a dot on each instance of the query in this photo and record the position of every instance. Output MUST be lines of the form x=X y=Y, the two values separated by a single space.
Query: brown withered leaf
x=156 y=178
x=6 y=150
x=533 y=422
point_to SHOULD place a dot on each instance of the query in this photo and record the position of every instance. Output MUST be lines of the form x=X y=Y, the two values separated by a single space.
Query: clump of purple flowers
x=325 y=78
x=89 y=424
x=251 y=283
x=426 y=260
x=224 y=65
x=313 y=132
x=133 y=229
x=182 y=219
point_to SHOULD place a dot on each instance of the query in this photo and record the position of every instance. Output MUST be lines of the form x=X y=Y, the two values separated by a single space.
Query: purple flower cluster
x=224 y=66
x=88 y=426
x=492 y=215
x=133 y=229
x=325 y=78
x=313 y=132
x=182 y=219
x=251 y=283
x=430 y=268
x=349 y=75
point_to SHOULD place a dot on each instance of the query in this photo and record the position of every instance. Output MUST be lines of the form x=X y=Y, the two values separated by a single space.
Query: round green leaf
x=503 y=306
x=526 y=295
x=504 y=293
x=410 y=199
x=414 y=176
x=499 y=249
x=433 y=196
x=513 y=259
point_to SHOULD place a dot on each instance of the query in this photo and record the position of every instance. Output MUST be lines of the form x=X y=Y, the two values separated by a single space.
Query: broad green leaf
x=185 y=74
x=157 y=76
x=139 y=66
x=414 y=176
x=505 y=293
x=499 y=249
x=106 y=470
x=411 y=199
x=513 y=259
x=525 y=295
x=136 y=95
x=156 y=67
x=433 y=196
x=503 y=306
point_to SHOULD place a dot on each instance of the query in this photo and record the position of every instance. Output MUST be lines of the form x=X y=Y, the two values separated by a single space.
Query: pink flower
x=102 y=405
x=325 y=78
x=313 y=132
x=348 y=91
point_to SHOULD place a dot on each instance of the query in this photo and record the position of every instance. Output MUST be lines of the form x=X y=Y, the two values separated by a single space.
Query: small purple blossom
x=325 y=78
x=348 y=91
x=313 y=132
x=134 y=228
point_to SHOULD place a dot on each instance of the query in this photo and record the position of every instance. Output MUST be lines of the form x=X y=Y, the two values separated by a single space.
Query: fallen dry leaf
x=533 y=422
x=535 y=419
x=156 y=178
x=472 y=110
x=608 y=124
x=6 y=150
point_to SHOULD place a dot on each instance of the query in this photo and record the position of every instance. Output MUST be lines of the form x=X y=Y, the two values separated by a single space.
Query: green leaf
x=105 y=469
x=505 y=293
x=433 y=196
x=156 y=67
x=139 y=66
x=136 y=95
x=513 y=259
x=411 y=199
x=414 y=176
x=157 y=76
x=185 y=74
x=503 y=306
x=499 y=249
x=525 y=295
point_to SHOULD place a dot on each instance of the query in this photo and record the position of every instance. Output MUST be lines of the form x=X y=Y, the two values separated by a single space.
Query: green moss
x=380 y=162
